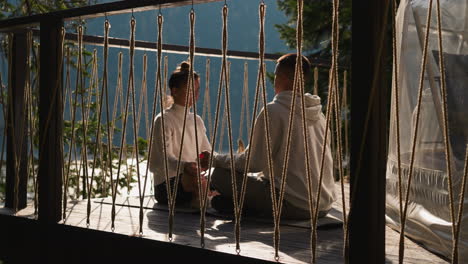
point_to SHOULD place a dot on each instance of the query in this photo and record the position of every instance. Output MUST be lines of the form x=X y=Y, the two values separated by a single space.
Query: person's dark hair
x=286 y=65
x=180 y=76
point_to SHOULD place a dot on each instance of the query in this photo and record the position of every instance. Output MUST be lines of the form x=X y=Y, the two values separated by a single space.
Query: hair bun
x=185 y=66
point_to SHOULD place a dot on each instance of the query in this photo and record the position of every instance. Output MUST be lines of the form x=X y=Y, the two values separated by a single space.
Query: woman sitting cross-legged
x=187 y=189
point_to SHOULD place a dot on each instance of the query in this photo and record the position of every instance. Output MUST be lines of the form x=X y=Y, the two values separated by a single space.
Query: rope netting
x=130 y=108
x=89 y=149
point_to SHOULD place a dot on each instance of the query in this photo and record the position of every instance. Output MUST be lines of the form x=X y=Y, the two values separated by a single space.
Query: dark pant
x=182 y=197
x=257 y=196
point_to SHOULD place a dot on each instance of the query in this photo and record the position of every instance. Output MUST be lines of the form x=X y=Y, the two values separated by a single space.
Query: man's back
x=296 y=185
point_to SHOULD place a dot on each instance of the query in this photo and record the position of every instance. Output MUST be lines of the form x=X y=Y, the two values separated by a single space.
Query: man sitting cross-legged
x=258 y=195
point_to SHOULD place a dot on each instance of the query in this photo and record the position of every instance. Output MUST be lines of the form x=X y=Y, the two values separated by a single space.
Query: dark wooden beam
x=17 y=158
x=180 y=49
x=29 y=241
x=99 y=10
x=370 y=96
x=50 y=121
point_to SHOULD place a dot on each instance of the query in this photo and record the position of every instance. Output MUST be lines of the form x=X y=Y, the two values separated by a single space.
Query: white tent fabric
x=429 y=219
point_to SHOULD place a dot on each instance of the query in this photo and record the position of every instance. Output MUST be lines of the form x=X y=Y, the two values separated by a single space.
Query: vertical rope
x=246 y=96
x=106 y=92
x=226 y=67
x=206 y=115
x=414 y=141
x=316 y=81
x=325 y=142
x=332 y=137
x=261 y=84
x=225 y=76
x=73 y=106
x=99 y=143
x=72 y=140
x=224 y=123
x=191 y=86
x=397 y=113
x=223 y=126
x=65 y=89
x=215 y=126
x=129 y=87
x=89 y=182
x=460 y=207
x=164 y=89
x=98 y=131
x=172 y=197
x=135 y=126
x=163 y=128
x=164 y=94
x=298 y=84
x=245 y=102
x=118 y=92
x=223 y=80
x=448 y=151
x=111 y=129
x=80 y=79
x=143 y=101
x=157 y=90
x=332 y=86
x=126 y=152
x=337 y=108
x=67 y=98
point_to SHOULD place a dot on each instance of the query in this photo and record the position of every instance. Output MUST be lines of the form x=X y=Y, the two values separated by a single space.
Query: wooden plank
x=17 y=158
x=256 y=239
x=155 y=228
x=99 y=10
x=50 y=121
x=370 y=98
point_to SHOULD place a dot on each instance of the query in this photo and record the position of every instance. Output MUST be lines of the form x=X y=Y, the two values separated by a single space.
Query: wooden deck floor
x=256 y=238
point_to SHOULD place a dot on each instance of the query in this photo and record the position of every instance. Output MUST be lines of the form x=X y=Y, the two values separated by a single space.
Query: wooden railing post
x=50 y=121
x=370 y=95
x=17 y=158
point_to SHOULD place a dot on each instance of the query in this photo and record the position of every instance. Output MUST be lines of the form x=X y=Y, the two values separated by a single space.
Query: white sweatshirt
x=173 y=122
x=296 y=185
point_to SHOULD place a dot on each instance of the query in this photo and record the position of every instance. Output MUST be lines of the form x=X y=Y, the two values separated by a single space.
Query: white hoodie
x=173 y=122
x=296 y=184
